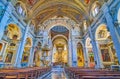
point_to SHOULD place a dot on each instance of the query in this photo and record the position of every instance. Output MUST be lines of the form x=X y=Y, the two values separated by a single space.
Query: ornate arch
x=101 y=32
x=12 y=30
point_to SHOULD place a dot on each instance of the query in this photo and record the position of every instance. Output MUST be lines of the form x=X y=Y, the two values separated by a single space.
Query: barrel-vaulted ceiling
x=45 y=9
x=41 y=10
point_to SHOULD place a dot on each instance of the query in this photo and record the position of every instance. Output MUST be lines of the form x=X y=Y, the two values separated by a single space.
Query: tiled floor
x=56 y=73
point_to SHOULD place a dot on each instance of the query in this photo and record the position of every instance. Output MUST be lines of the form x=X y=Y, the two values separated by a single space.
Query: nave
x=55 y=73
x=59 y=73
x=81 y=36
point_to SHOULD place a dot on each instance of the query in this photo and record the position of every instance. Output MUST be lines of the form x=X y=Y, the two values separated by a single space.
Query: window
x=95 y=9
x=20 y=9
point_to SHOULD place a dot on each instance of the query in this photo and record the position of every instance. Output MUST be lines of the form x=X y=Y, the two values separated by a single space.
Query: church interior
x=59 y=39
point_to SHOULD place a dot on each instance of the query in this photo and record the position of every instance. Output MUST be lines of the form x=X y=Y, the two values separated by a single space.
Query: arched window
x=95 y=9
x=20 y=9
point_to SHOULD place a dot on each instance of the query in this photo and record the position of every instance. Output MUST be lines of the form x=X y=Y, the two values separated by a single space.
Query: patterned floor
x=56 y=73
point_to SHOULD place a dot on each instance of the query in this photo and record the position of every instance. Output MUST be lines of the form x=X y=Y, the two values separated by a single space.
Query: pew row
x=82 y=73
x=23 y=73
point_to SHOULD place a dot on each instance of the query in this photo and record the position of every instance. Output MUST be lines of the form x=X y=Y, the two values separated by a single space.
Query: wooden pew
x=78 y=73
x=24 y=73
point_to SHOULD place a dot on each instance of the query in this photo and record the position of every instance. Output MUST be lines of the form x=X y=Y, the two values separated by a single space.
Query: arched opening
x=90 y=53
x=37 y=54
x=59 y=36
x=106 y=46
x=26 y=52
x=60 y=51
x=80 y=55
x=13 y=34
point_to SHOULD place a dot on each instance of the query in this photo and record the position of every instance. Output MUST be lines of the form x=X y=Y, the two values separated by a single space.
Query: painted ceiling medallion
x=31 y=2
x=87 y=1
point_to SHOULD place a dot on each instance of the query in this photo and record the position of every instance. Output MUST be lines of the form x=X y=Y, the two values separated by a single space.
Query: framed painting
x=9 y=57
x=105 y=55
x=1 y=47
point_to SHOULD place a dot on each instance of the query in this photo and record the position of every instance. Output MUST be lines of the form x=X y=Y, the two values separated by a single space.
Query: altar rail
x=23 y=73
x=82 y=73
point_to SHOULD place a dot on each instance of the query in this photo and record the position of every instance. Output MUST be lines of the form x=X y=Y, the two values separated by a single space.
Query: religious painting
x=25 y=57
x=114 y=55
x=80 y=57
x=9 y=57
x=113 y=50
x=102 y=34
x=28 y=42
x=1 y=46
x=105 y=55
x=91 y=55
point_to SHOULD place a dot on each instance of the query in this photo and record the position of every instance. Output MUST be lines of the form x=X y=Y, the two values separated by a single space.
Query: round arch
x=59 y=36
x=26 y=52
x=106 y=46
x=58 y=24
x=13 y=31
x=60 y=51
x=101 y=32
x=80 y=43
x=88 y=42
x=90 y=53
x=80 y=55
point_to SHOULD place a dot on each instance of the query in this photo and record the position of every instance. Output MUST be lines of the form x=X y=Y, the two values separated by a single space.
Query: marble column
x=21 y=48
x=31 y=56
x=87 y=54
x=86 y=57
x=45 y=37
x=69 y=53
x=74 y=53
x=113 y=32
x=96 y=51
x=54 y=51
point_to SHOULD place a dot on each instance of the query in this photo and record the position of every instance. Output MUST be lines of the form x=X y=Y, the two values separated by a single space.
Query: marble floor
x=56 y=73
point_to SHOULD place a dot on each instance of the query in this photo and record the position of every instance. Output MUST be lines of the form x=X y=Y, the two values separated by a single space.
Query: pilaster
x=96 y=51
x=86 y=57
x=69 y=53
x=21 y=49
x=74 y=53
x=4 y=19
x=113 y=32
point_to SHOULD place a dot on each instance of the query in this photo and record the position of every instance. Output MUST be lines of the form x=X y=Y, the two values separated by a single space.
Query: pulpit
x=45 y=55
